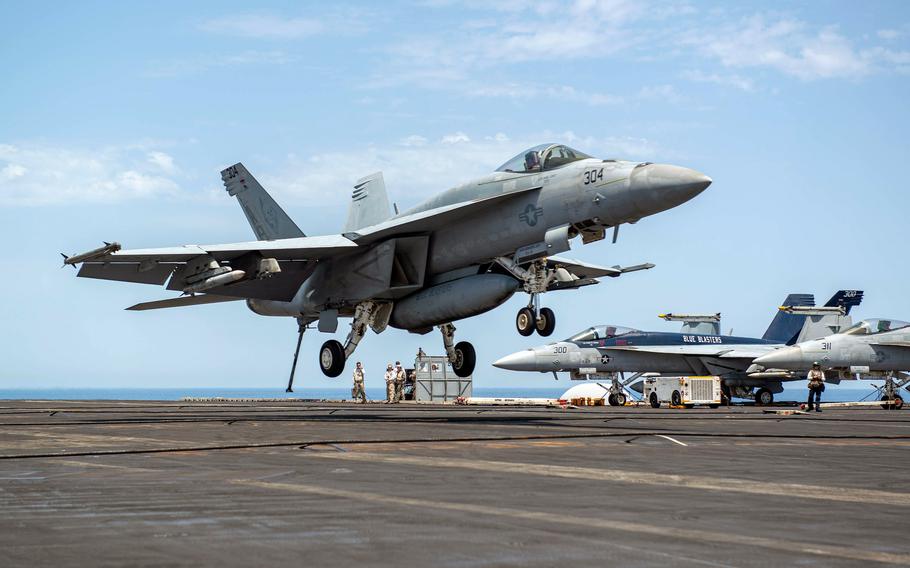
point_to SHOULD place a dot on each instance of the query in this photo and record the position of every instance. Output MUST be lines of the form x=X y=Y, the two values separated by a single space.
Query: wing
x=576 y=273
x=266 y=270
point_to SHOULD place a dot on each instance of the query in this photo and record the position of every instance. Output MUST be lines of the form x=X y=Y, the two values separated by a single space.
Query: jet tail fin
x=786 y=327
x=369 y=203
x=266 y=217
x=846 y=299
x=819 y=325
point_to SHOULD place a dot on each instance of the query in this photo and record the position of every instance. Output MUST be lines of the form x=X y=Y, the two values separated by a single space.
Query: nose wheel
x=331 y=358
x=528 y=321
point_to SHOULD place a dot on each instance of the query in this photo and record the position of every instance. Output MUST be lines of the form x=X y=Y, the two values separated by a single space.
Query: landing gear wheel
x=675 y=399
x=465 y=359
x=763 y=397
x=653 y=400
x=620 y=399
x=525 y=321
x=331 y=358
x=546 y=322
x=896 y=405
x=611 y=400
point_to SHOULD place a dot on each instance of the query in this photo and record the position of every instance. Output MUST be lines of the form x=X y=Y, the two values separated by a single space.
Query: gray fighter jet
x=871 y=348
x=605 y=350
x=459 y=254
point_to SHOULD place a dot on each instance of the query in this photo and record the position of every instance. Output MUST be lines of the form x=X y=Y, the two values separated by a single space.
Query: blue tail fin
x=846 y=299
x=785 y=327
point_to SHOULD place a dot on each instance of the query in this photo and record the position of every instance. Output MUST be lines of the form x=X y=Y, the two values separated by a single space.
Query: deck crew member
x=816 y=386
x=389 y=384
x=399 y=381
x=358 y=390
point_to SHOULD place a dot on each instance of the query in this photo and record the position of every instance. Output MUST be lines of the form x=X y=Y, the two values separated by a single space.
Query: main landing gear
x=461 y=355
x=333 y=355
x=536 y=279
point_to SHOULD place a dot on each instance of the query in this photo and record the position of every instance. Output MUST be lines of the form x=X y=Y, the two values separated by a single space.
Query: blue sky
x=117 y=118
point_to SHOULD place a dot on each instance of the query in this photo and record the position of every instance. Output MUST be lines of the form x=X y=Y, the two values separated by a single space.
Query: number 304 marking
x=592 y=176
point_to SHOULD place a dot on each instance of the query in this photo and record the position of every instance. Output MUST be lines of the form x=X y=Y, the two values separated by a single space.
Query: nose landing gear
x=536 y=279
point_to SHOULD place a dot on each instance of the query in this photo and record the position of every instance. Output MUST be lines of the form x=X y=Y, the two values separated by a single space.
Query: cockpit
x=871 y=326
x=542 y=158
x=601 y=332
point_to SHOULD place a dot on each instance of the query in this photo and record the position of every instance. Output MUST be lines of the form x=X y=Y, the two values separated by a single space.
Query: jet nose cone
x=519 y=361
x=783 y=358
x=657 y=187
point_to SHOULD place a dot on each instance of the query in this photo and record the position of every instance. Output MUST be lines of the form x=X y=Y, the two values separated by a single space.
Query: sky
x=117 y=118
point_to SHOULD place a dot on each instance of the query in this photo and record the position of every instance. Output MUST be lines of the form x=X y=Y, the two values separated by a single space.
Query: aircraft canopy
x=870 y=326
x=601 y=332
x=540 y=158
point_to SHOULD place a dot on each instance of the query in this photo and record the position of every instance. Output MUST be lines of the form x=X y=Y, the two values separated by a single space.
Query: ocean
x=853 y=391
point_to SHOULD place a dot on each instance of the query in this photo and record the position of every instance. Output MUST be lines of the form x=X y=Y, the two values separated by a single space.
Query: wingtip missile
x=99 y=252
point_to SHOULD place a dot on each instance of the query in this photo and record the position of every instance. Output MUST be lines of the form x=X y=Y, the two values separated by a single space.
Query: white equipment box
x=682 y=391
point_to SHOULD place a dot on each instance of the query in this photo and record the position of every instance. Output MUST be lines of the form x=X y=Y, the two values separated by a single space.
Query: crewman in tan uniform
x=358 y=390
x=816 y=386
x=399 y=381
x=389 y=384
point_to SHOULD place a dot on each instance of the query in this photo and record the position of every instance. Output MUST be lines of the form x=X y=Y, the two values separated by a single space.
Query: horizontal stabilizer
x=182 y=301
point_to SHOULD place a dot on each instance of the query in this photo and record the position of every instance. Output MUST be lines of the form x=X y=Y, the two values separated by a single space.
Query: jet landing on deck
x=458 y=254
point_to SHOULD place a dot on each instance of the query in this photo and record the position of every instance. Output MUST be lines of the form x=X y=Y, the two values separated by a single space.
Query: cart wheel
x=653 y=400
x=675 y=399
x=713 y=406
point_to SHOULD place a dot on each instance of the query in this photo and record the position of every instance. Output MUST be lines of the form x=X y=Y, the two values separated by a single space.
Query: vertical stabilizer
x=369 y=203
x=267 y=218
x=833 y=318
x=785 y=327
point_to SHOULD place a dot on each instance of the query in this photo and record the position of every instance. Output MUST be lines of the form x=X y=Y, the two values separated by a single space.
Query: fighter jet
x=458 y=254
x=871 y=348
x=608 y=349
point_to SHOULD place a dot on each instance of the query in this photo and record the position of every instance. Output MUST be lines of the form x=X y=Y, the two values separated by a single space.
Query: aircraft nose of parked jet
x=783 y=358
x=657 y=187
x=519 y=361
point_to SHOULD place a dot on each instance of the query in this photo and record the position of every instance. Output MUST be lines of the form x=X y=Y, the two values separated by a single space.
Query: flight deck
x=320 y=483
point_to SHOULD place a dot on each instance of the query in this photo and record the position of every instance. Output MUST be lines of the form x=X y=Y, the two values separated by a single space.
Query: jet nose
x=519 y=361
x=657 y=187
x=783 y=358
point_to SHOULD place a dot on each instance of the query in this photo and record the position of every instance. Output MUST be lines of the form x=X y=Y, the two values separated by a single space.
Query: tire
x=653 y=400
x=620 y=399
x=675 y=399
x=897 y=405
x=713 y=406
x=546 y=322
x=465 y=359
x=763 y=397
x=331 y=358
x=525 y=322
x=611 y=400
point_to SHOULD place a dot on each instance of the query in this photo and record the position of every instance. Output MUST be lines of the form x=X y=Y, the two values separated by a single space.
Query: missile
x=214 y=281
x=107 y=249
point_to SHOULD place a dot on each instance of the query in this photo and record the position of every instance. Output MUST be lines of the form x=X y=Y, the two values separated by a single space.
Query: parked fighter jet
x=609 y=349
x=458 y=254
x=871 y=348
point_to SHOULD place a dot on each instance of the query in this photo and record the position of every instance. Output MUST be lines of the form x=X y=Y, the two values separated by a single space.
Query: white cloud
x=36 y=174
x=13 y=171
x=415 y=172
x=200 y=63
x=414 y=140
x=726 y=80
x=163 y=161
x=888 y=34
x=264 y=26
